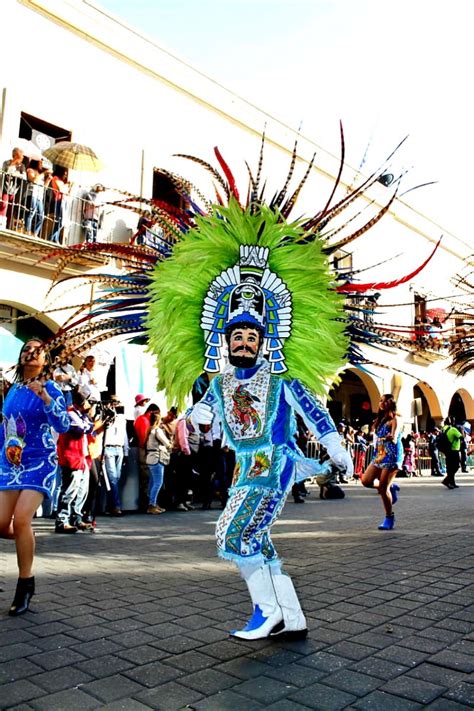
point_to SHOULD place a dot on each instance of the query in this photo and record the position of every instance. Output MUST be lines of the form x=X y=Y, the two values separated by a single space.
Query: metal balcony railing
x=32 y=210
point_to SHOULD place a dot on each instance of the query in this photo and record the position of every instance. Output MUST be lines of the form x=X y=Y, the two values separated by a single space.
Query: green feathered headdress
x=316 y=348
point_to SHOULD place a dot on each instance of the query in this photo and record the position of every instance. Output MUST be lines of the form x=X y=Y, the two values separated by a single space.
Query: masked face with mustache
x=244 y=346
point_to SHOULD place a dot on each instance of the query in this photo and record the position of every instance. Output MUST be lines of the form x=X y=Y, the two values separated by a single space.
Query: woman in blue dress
x=32 y=408
x=387 y=459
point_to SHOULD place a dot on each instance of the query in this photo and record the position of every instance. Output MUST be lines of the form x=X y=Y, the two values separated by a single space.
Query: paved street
x=136 y=616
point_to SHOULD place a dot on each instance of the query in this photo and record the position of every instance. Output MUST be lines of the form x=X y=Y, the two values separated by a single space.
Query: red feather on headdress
x=346 y=288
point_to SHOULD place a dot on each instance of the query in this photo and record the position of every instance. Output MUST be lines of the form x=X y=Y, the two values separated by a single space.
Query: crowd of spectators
x=174 y=467
x=34 y=196
x=39 y=200
x=30 y=192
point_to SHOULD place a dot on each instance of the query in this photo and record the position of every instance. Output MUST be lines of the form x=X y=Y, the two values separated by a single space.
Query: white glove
x=340 y=456
x=201 y=414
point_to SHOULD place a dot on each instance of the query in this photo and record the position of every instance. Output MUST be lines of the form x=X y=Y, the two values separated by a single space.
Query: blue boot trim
x=256 y=621
x=387 y=524
x=394 y=489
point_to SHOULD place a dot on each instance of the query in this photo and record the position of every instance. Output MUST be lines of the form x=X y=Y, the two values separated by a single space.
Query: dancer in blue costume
x=256 y=410
x=387 y=459
x=28 y=461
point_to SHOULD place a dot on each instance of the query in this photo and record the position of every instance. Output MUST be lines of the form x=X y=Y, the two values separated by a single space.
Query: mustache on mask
x=246 y=349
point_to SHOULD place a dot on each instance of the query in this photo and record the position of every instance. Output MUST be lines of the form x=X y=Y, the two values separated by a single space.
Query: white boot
x=294 y=622
x=267 y=612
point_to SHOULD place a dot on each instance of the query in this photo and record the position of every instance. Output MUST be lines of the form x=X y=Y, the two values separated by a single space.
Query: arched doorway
x=427 y=410
x=462 y=406
x=16 y=326
x=354 y=399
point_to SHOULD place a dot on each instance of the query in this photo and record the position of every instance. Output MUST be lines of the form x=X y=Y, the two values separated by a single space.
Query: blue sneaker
x=394 y=489
x=388 y=523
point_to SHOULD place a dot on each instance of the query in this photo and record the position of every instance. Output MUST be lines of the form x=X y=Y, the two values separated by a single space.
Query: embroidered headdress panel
x=247 y=293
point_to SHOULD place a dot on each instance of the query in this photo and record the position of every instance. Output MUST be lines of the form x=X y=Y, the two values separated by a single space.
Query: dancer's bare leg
x=25 y=507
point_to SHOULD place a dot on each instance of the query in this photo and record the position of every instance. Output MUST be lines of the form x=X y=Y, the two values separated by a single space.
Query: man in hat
x=266 y=460
x=141 y=402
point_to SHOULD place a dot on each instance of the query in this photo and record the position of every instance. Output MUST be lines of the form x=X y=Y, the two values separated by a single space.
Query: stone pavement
x=136 y=616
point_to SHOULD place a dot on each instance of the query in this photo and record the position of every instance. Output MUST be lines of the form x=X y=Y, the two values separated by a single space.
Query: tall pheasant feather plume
x=150 y=298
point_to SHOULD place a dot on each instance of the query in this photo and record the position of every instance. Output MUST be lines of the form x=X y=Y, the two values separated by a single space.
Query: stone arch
x=373 y=391
x=15 y=331
x=468 y=403
x=431 y=398
x=354 y=386
x=32 y=313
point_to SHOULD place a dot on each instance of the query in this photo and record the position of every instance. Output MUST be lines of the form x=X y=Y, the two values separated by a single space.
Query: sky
x=385 y=69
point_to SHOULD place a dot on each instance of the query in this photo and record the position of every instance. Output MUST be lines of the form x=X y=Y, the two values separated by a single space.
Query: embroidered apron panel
x=246 y=404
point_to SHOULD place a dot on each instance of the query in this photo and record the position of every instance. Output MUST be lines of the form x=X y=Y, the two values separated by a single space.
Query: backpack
x=443 y=444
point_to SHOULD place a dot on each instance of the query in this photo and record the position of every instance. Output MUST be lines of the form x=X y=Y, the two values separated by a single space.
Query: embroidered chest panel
x=247 y=406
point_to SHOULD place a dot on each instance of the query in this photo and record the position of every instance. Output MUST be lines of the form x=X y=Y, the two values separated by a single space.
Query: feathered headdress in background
x=225 y=259
x=461 y=342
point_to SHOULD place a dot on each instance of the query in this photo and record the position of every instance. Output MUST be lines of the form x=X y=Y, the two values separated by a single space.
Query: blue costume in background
x=28 y=458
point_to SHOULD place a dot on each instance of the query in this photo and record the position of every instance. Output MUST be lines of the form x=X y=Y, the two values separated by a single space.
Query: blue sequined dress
x=28 y=457
x=388 y=452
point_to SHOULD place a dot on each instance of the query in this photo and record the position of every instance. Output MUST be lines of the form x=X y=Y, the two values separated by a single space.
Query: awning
x=437 y=312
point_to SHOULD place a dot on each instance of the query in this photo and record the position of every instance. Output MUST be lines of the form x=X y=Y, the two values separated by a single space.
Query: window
x=420 y=308
x=164 y=190
x=342 y=262
x=41 y=133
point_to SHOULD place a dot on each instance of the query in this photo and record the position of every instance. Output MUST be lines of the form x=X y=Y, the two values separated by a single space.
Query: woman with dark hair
x=142 y=429
x=158 y=452
x=382 y=470
x=28 y=461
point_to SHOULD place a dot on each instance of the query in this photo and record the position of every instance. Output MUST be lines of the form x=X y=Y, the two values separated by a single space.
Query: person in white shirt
x=87 y=380
x=66 y=377
x=115 y=449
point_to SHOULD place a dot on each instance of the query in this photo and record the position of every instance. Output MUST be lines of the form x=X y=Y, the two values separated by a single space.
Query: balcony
x=430 y=341
x=32 y=225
